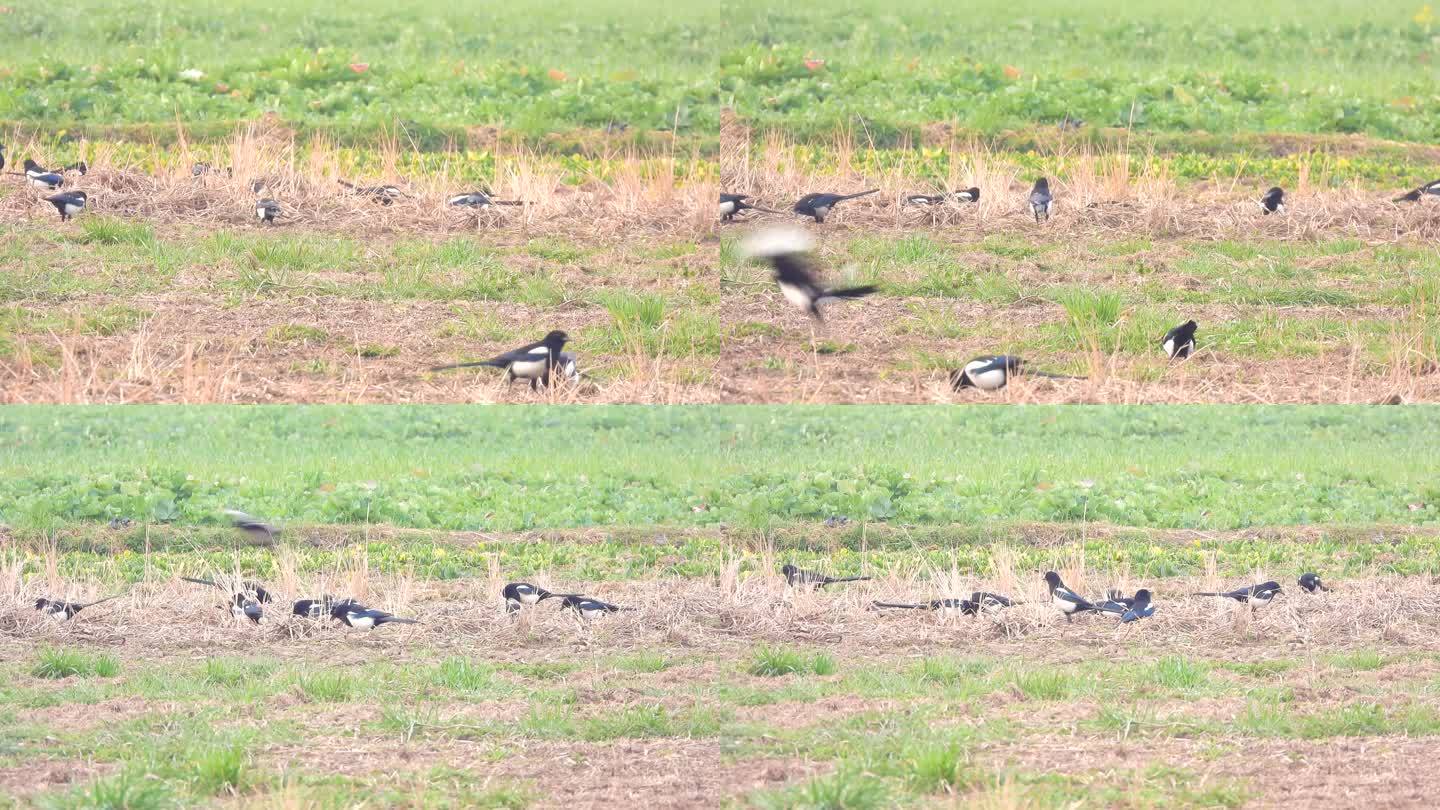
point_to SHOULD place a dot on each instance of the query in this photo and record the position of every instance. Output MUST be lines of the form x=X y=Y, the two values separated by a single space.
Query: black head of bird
x=1273 y=202
x=33 y=168
x=1180 y=341
x=518 y=594
x=1053 y=580
x=1310 y=583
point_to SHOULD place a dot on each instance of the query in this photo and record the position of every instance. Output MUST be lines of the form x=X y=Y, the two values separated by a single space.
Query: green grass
x=52 y=663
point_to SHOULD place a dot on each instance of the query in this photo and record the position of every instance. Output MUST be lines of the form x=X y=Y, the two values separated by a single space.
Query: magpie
x=258 y=530
x=819 y=205
x=318 y=608
x=785 y=249
x=1041 y=200
x=1140 y=608
x=968 y=195
x=80 y=168
x=518 y=594
x=1115 y=602
x=62 y=610
x=978 y=601
x=1311 y=583
x=1261 y=593
x=243 y=607
x=199 y=169
x=68 y=203
x=2 y=156
x=732 y=204
x=532 y=362
x=253 y=590
x=1432 y=188
x=266 y=210
x=480 y=199
x=354 y=614
x=1273 y=202
x=40 y=178
x=587 y=608
x=1066 y=600
x=992 y=371
x=1180 y=341
x=799 y=576
x=385 y=195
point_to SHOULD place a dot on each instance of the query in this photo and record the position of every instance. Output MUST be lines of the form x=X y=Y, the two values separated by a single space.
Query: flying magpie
x=40 y=178
x=1261 y=594
x=1066 y=600
x=532 y=362
x=252 y=590
x=732 y=204
x=799 y=576
x=518 y=594
x=317 y=608
x=978 y=601
x=1180 y=341
x=1432 y=188
x=1041 y=200
x=992 y=371
x=819 y=205
x=385 y=195
x=243 y=607
x=68 y=203
x=786 y=249
x=480 y=199
x=1273 y=202
x=256 y=529
x=62 y=610
x=1311 y=583
x=354 y=614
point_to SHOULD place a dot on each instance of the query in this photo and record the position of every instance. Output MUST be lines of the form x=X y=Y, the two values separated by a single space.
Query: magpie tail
x=898 y=606
x=472 y=364
x=852 y=292
x=1053 y=376
x=394 y=620
x=507 y=202
x=859 y=194
x=833 y=580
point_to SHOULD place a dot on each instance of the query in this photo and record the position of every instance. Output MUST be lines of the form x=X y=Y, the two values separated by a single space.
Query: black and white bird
x=787 y=249
x=266 y=210
x=1180 y=341
x=1310 y=583
x=2 y=156
x=68 y=203
x=968 y=195
x=534 y=362
x=1041 y=200
x=247 y=589
x=385 y=195
x=63 y=611
x=479 y=199
x=1273 y=202
x=81 y=168
x=732 y=204
x=1140 y=607
x=256 y=529
x=39 y=177
x=992 y=372
x=819 y=206
x=1065 y=600
x=587 y=608
x=521 y=594
x=356 y=615
x=317 y=608
x=1431 y=188
x=1255 y=594
x=979 y=601
x=242 y=607
x=799 y=576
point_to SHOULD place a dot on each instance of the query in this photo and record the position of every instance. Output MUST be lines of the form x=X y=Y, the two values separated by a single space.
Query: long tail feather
x=472 y=364
x=211 y=583
x=1049 y=375
x=860 y=194
x=898 y=605
x=851 y=292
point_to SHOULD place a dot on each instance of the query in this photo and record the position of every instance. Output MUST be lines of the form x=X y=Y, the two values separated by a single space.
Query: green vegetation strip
x=509 y=468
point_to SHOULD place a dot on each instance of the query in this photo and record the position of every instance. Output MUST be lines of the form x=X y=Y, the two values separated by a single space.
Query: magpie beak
x=63 y=611
x=354 y=614
x=385 y=195
x=532 y=362
x=1041 y=200
x=991 y=372
x=820 y=205
x=317 y=608
x=1180 y=341
x=249 y=590
x=519 y=594
x=786 y=249
x=587 y=608
x=799 y=576
x=732 y=204
x=480 y=199
x=1066 y=600
x=1311 y=583
x=1273 y=202
x=256 y=529
x=1255 y=594
x=68 y=203
x=40 y=178
x=978 y=601
x=242 y=607
x=1432 y=188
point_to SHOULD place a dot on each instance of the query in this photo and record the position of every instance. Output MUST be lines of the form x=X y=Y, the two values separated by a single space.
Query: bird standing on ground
x=1140 y=608
x=356 y=615
x=63 y=611
x=1273 y=202
x=1431 y=188
x=317 y=608
x=243 y=607
x=1255 y=594
x=587 y=608
x=799 y=576
x=479 y=199
x=533 y=362
x=1066 y=600
x=732 y=204
x=1311 y=583
x=786 y=249
x=968 y=195
x=1180 y=341
x=520 y=594
x=385 y=195
x=1041 y=199
x=978 y=601
x=251 y=590
x=40 y=177
x=820 y=205
x=68 y=203
x=992 y=372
